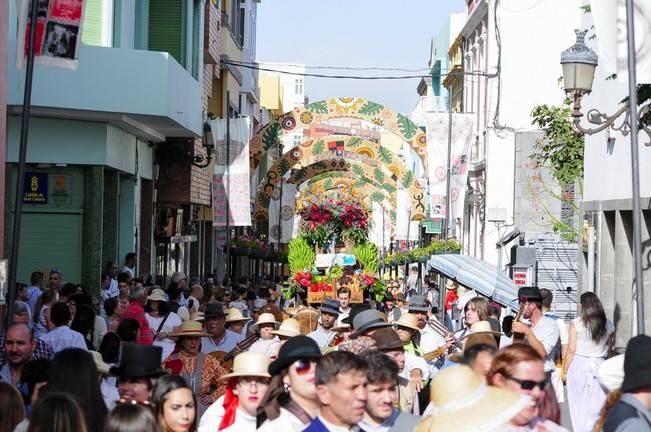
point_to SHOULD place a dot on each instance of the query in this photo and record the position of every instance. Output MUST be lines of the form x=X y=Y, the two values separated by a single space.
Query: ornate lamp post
x=579 y=63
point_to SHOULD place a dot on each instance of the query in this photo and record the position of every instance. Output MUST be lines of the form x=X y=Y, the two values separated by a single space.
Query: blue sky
x=353 y=33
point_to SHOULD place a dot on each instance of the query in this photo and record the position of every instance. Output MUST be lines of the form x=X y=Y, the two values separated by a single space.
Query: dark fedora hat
x=637 y=363
x=330 y=306
x=355 y=309
x=367 y=320
x=214 y=310
x=139 y=361
x=386 y=339
x=419 y=303
x=530 y=293
x=295 y=348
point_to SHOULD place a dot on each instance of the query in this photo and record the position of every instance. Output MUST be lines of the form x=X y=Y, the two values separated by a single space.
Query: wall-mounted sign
x=35 y=188
x=61 y=189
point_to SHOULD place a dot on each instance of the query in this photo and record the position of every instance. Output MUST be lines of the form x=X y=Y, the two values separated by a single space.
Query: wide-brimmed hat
x=330 y=306
x=451 y=285
x=419 y=303
x=234 y=314
x=288 y=328
x=157 y=294
x=100 y=364
x=259 y=304
x=483 y=327
x=637 y=364
x=190 y=329
x=471 y=340
x=407 y=320
x=249 y=364
x=139 y=361
x=367 y=320
x=214 y=310
x=530 y=293
x=461 y=400
x=296 y=348
x=386 y=339
x=265 y=318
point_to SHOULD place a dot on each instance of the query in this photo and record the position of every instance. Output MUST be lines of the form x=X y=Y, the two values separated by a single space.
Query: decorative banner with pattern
x=58 y=32
x=287 y=210
x=437 y=153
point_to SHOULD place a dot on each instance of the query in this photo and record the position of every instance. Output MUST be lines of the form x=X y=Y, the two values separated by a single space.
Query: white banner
x=58 y=32
x=231 y=190
x=610 y=28
x=437 y=159
x=287 y=212
x=405 y=227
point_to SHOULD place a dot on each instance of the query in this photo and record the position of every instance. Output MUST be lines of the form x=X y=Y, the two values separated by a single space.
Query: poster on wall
x=60 y=189
x=35 y=188
x=58 y=32
x=3 y=281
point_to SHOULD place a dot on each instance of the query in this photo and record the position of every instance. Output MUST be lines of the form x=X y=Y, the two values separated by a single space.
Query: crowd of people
x=197 y=356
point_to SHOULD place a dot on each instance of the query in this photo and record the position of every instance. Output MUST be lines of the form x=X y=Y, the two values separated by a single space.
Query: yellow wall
x=271 y=96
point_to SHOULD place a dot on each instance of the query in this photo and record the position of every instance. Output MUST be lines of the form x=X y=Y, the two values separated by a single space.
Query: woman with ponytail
x=590 y=340
x=291 y=402
x=246 y=387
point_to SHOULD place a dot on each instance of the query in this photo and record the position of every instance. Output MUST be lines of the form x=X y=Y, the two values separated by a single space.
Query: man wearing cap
x=220 y=338
x=139 y=366
x=632 y=413
x=323 y=334
x=136 y=311
x=543 y=333
x=246 y=387
x=382 y=396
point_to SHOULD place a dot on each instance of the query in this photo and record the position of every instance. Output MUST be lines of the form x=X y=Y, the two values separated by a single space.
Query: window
x=298 y=88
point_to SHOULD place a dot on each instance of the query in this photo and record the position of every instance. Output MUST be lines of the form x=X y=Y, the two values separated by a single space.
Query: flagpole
x=22 y=155
x=228 y=186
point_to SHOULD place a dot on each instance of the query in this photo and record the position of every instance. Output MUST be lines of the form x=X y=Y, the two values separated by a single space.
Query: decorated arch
x=355 y=108
x=368 y=190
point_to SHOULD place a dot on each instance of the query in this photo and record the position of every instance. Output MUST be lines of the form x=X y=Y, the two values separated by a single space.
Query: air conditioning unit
x=496 y=214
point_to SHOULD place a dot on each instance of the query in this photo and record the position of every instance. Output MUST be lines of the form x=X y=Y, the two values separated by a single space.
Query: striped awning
x=477 y=275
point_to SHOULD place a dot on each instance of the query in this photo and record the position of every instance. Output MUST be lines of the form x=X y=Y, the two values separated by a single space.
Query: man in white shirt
x=61 y=336
x=130 y=261
x=323 y=334
x=430 y=340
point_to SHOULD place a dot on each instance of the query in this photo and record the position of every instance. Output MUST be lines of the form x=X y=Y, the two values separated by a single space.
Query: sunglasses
x=529 y=384
x=303 y=366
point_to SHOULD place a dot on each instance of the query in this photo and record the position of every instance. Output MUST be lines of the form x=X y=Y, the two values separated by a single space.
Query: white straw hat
x=407 y=320
x=288 y=328
x=265 y=318
x=249 y=364
x=234 y=314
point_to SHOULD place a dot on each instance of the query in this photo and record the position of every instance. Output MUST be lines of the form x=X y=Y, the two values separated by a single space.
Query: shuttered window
x=92 y=27
x=166 y=27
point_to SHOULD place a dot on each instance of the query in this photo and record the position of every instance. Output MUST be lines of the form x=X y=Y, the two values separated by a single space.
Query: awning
x=477 y=275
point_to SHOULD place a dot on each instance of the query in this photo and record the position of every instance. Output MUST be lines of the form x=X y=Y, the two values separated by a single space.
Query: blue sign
x=35 y=191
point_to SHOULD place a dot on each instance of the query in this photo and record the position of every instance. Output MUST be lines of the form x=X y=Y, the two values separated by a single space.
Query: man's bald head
x=19 y=344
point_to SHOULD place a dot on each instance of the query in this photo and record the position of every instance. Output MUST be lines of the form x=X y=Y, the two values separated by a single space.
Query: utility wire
x=354 y=77
x=361 y=68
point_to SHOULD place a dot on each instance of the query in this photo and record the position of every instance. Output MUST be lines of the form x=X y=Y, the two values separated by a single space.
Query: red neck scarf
x=230 y=408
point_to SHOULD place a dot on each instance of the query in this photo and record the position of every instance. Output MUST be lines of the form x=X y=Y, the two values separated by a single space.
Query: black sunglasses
x=529 y=384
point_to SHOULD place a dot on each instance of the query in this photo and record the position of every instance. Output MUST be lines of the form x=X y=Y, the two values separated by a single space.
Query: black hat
x=637 y=364
x=419 y=303
x=530 y=293
x=354 y=310
x=330 y=306
x=139 y=361
x=214 y=310
x=295 y=348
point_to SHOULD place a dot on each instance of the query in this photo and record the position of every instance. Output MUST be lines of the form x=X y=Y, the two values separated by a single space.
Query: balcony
x=428 y=104
x=146 y=93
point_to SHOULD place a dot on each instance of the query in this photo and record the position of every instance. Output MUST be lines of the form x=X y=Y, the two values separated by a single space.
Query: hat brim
x=495 y=409
x=214 y=315
x=276 y=366
x=419 y=308
x=189 y=334
x=256 y=326
x=358 y=333
x=156 y=298
x=125 y=371
x=241 y=374
x=330 y=311
x=491 y=332
x=237 y=319
x=399 y=324
x=285 y=333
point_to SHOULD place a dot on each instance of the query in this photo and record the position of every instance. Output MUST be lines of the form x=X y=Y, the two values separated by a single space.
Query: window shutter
x=92 y=28
x=166 y=27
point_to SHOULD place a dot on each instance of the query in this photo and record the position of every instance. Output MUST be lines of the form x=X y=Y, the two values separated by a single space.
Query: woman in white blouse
x=162 y=321
x=590 y=342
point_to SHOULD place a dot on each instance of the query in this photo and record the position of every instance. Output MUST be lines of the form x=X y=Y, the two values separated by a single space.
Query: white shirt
x=547 y=332
x=227 y=343
x=585 y=346
x=265 y=346
x=322 y=337
x=412 y=362
x=430 y=340
x=62 y=337
x=131 y=271
x=213 y=416
x=109 y=393
x=167 y=344
x=285 y=422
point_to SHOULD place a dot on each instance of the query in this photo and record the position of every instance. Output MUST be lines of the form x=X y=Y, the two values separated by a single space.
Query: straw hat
x=102 y=367
x=249 y=364
x=451 y=285
x=234 y=314
x=265 y=318
x=190 y=329
x=407 y=320
x=482 y=327
x=289 y=328
x=461 y=400
x=197 y=316
x=157 y=295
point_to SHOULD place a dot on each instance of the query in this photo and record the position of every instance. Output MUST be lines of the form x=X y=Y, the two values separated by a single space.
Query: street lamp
x=579 y=63
x=201 y=160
